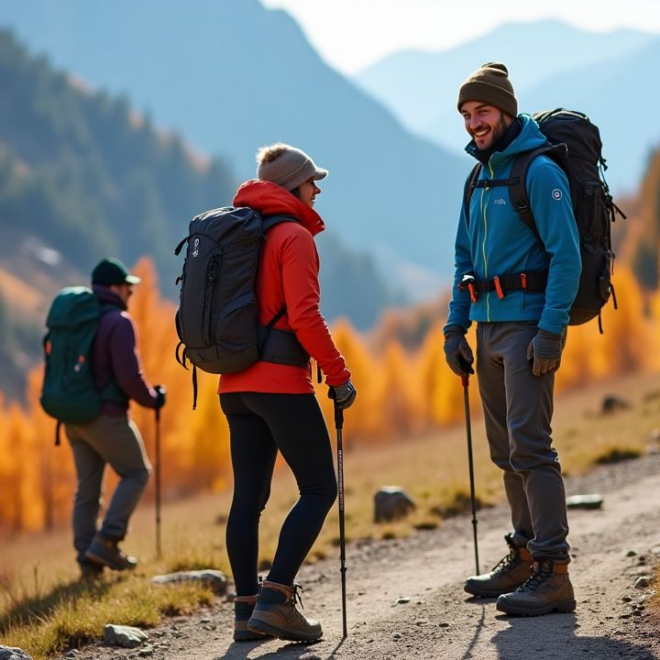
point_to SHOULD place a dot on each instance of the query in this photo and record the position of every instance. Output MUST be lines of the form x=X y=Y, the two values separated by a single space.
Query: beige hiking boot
x=549 y=589
x=511 y=572
x=276 y=614
x=243 y=608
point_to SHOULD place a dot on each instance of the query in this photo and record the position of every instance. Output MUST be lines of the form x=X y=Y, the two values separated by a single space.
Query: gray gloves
x=545 y=351
x=457 y=351
x=343 y=395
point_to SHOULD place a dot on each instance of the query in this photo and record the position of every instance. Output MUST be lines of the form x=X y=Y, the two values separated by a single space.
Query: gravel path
x=405 y=598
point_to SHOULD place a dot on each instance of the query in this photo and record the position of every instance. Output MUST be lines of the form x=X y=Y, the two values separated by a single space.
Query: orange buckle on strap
x=498 y=287
x=468 y=283
x=523 y=280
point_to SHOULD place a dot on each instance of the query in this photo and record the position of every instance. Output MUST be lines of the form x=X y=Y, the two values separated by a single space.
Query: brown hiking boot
x=89 y=571
x=243 y=608
x=549 y=589
x=106 y=553
x=276 y=614
x=512 y=571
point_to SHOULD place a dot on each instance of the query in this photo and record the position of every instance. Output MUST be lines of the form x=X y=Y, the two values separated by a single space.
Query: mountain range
x=230 y=76
x=551 y=65
x=83 y=176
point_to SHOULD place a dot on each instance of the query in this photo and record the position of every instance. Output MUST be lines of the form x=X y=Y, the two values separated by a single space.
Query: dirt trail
x=439 y=621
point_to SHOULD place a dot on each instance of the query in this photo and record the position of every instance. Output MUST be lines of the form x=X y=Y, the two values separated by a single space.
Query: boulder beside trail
x=392 y=503
x=613 y=404
x=215 y=580
x=125 y=636
x=584 y=501
x=13 y=653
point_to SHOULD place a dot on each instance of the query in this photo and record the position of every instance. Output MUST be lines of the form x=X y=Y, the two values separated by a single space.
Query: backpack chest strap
x=494 y=183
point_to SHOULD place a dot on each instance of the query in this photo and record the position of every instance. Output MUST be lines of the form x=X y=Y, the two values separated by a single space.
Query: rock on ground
x=215 y=580
x=124 y=636
x=13 y=653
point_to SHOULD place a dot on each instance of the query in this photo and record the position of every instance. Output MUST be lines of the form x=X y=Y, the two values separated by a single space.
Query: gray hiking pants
x=518 y=411
x=106 y=440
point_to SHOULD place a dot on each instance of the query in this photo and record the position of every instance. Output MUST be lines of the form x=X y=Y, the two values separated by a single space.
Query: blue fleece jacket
x=498 y=242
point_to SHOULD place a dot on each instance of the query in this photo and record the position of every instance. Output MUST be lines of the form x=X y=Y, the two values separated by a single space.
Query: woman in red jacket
x=271 y=406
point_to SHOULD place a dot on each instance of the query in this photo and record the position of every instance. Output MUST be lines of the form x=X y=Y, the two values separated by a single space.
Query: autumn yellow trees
x=402 y=391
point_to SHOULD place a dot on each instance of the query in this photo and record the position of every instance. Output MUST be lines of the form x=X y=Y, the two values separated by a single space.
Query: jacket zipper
x=484 y=215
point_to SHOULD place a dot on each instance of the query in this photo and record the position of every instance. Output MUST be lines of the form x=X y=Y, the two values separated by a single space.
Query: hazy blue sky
x=351 y=34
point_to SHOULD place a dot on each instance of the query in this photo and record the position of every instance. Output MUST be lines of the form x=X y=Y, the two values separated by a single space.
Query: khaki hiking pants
x=114 y=441
x=518 y=410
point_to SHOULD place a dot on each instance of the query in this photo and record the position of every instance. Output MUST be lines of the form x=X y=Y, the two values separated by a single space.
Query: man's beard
x=498 y=133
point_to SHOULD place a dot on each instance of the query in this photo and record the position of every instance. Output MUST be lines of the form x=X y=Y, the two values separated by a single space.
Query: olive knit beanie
x=490 y=84
x=287 y=166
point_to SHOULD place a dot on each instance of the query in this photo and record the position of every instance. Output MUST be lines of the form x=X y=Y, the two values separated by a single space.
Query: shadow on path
x=477 y=630
x=555 y=636
x=24 y=610
x=293 y=650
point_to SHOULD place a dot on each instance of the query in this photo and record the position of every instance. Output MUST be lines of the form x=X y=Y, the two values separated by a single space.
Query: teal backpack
x=69 y=394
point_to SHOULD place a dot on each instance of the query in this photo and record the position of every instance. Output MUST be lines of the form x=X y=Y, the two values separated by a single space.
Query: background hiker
x=112 y=438
x=272 y=407
x=519 y=291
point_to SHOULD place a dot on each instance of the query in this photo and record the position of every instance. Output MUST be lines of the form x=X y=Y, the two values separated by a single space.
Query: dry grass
x=74 y=614
x=43 y=593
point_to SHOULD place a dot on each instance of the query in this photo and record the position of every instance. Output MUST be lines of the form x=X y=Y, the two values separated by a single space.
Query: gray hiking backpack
x=217 y=320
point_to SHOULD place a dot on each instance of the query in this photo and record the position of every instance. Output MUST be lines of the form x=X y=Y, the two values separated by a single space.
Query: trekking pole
x=339 y=425
x=157 y=478
x=466 y=383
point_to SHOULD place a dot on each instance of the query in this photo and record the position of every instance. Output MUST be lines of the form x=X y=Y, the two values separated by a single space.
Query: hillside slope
x=231 y=76
x=405 y=598
x=83 y=176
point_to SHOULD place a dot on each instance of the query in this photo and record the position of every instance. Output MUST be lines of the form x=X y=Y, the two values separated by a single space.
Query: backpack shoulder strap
x=470 y=184
x=109 y=307
x=273 y=220
x=518 y=189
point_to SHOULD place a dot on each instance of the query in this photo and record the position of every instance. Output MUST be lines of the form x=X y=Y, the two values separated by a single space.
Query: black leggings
x=260 y=425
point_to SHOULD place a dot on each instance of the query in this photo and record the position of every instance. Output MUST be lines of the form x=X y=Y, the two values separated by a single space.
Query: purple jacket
x=115 y=356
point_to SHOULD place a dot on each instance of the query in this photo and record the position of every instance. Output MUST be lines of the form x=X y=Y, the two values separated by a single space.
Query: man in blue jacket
x=519 y=290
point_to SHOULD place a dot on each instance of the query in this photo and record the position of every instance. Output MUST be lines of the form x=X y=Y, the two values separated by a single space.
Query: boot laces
x=507 y=562
x=540 y=573
x=295 y=596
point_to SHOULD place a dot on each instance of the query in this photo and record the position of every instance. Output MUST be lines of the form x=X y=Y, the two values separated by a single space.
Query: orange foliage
x=401 y=391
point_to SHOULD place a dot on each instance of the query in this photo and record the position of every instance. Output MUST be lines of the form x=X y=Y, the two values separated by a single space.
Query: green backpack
x=69 y=394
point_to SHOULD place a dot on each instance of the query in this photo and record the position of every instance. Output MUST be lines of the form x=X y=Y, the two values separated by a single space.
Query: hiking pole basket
x=339 y=426
x=157 y=484
x=466 y=383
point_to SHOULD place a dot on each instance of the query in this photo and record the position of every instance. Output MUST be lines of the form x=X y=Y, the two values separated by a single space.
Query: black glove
x=545 y=351
x=161 y=397
x=343 y=395
x=457 y=351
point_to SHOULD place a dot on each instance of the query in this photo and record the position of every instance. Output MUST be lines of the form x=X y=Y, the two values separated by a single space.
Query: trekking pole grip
x=339 y=412
x=339 y=417
x=465 y=381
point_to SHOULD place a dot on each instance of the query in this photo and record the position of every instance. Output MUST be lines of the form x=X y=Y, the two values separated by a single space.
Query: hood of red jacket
x=268 y=199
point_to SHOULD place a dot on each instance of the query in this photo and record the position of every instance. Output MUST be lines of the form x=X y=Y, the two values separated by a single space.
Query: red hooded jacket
x=288 y=275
